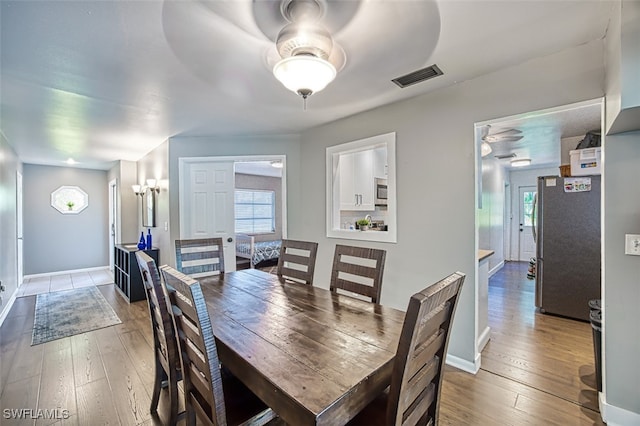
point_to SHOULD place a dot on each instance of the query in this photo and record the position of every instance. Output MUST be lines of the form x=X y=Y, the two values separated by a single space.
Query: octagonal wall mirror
x=69 y=200
x=361 y=189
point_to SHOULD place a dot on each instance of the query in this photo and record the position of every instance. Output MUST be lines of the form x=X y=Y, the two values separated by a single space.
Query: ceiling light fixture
x=485 y=149
x=304 y=46
x=277 y=164
x=521 y=162
x=70 y=161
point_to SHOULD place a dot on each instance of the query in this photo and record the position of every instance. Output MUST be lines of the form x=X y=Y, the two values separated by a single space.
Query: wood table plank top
x=314 y=356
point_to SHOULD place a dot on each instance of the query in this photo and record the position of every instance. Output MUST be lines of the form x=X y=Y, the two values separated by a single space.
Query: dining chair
x=165 y=347
x=413 y=396
x=358 y=270
x=297 y=261
x=212 y=397
x=200 y=257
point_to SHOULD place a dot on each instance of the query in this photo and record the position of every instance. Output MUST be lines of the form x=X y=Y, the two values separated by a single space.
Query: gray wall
x=61 y=242
x=621 y=272
x=267 y=183
x=9 y=166
x=436 y=170
x=217 y=146
x=155 y=165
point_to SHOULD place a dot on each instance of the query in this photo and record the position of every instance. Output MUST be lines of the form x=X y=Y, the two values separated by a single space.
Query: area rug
x=69 y=312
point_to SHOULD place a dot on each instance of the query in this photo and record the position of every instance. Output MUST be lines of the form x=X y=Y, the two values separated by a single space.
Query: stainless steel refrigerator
x=568 y=244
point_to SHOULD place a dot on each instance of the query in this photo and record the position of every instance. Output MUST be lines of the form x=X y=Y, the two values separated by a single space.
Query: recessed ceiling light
x=521 y=162
x=70 y=161
x=277 y=164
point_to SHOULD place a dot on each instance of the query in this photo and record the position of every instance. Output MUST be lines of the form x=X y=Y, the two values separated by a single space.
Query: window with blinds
x=255 y=211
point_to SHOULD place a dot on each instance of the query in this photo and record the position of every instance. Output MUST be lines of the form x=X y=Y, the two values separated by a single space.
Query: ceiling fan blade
x=496 y=138
x=507 y=132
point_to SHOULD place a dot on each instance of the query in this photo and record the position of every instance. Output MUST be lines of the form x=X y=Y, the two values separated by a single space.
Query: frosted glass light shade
x=485 y=149
x=304 y=73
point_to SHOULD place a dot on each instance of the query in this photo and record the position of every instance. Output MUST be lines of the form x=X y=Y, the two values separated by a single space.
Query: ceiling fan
x=507 y=135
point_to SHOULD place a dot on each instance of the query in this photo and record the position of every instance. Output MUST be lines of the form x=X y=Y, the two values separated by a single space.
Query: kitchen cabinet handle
x=356 y=203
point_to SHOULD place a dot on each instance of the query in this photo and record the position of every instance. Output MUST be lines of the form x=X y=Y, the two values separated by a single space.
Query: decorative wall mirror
x=69 y=200
x=149 y=208
x=361 y=189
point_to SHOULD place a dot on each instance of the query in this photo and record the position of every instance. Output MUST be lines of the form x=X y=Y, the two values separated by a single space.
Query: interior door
x=207 y=205
x=527 y=244
x=19 y=257
x=113 y=214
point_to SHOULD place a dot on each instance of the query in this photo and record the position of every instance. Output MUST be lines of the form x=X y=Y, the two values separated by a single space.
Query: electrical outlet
x=632 y=244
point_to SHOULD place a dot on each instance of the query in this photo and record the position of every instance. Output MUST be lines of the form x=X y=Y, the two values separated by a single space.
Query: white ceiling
x=101 y=81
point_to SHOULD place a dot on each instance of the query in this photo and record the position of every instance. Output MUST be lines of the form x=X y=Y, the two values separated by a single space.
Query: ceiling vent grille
x=418 y=76
x=505 y=156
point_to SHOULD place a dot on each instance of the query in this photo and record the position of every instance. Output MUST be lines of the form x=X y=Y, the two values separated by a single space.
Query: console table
x=126 y=272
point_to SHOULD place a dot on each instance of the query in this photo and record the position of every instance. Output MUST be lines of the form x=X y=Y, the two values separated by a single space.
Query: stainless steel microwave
x=381 y=192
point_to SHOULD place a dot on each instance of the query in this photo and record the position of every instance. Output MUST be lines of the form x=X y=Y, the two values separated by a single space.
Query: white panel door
x=527 y=243
x=208 y=205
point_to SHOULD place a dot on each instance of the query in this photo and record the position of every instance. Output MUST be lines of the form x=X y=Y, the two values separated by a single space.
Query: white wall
x=9 y=166
x=621 y=295
x=491 y=217
x=436 y=172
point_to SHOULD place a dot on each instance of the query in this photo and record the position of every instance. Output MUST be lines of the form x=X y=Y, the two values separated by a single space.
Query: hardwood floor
x=536 y=370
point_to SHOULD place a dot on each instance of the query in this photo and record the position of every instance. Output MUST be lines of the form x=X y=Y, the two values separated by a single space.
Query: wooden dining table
x=313 y=356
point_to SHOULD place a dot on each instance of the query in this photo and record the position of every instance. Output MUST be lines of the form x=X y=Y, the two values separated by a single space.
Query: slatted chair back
x=203 y=391
x=297 y=261
x=167 y=359
x=200 y=257
x=358 y=270
x=417 y=372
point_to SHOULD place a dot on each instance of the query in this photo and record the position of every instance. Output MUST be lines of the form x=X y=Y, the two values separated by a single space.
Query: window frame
x=253 y=218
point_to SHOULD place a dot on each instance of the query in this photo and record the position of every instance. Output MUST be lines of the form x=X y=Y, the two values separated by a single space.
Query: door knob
x=229 y=240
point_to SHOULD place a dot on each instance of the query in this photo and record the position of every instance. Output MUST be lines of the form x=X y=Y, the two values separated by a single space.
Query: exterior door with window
x=527 y=244
x=207 y=204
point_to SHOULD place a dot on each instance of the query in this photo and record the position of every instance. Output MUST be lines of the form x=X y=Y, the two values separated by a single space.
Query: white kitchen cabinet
x=356 y=181
x=380 y=162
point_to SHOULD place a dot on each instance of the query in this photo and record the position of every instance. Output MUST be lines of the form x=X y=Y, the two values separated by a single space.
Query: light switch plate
x=632 y=244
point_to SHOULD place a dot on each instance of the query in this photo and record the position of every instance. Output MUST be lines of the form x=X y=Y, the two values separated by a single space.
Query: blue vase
x=141 y=244
x=149 y=239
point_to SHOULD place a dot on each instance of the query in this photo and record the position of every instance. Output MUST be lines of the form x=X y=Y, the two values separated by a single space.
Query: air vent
x=418 y=76
x=505 y=156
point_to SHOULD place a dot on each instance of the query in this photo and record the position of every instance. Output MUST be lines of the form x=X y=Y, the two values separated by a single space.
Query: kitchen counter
x=484 y=254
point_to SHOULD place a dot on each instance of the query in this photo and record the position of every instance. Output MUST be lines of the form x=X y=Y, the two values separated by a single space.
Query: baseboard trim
x=463 y=364
x=496 y=268
x=483 y=339
x=71 y=271
x=8 y=306
x=616 y=416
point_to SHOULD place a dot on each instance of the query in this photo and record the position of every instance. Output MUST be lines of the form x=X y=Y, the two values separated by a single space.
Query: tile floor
x=51 y=283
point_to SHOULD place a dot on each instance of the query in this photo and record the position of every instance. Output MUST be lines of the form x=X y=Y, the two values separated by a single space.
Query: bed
x=256 y=251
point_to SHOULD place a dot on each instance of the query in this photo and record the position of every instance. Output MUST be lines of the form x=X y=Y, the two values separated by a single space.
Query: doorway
x=113 y=219
x=209 y=194
x=526 y=241
x=19 y=240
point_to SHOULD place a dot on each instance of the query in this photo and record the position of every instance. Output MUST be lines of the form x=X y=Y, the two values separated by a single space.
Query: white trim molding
x=71 y=271
x=7 y=308
x=616 y=416
x=496 y=268
x=463 y=364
